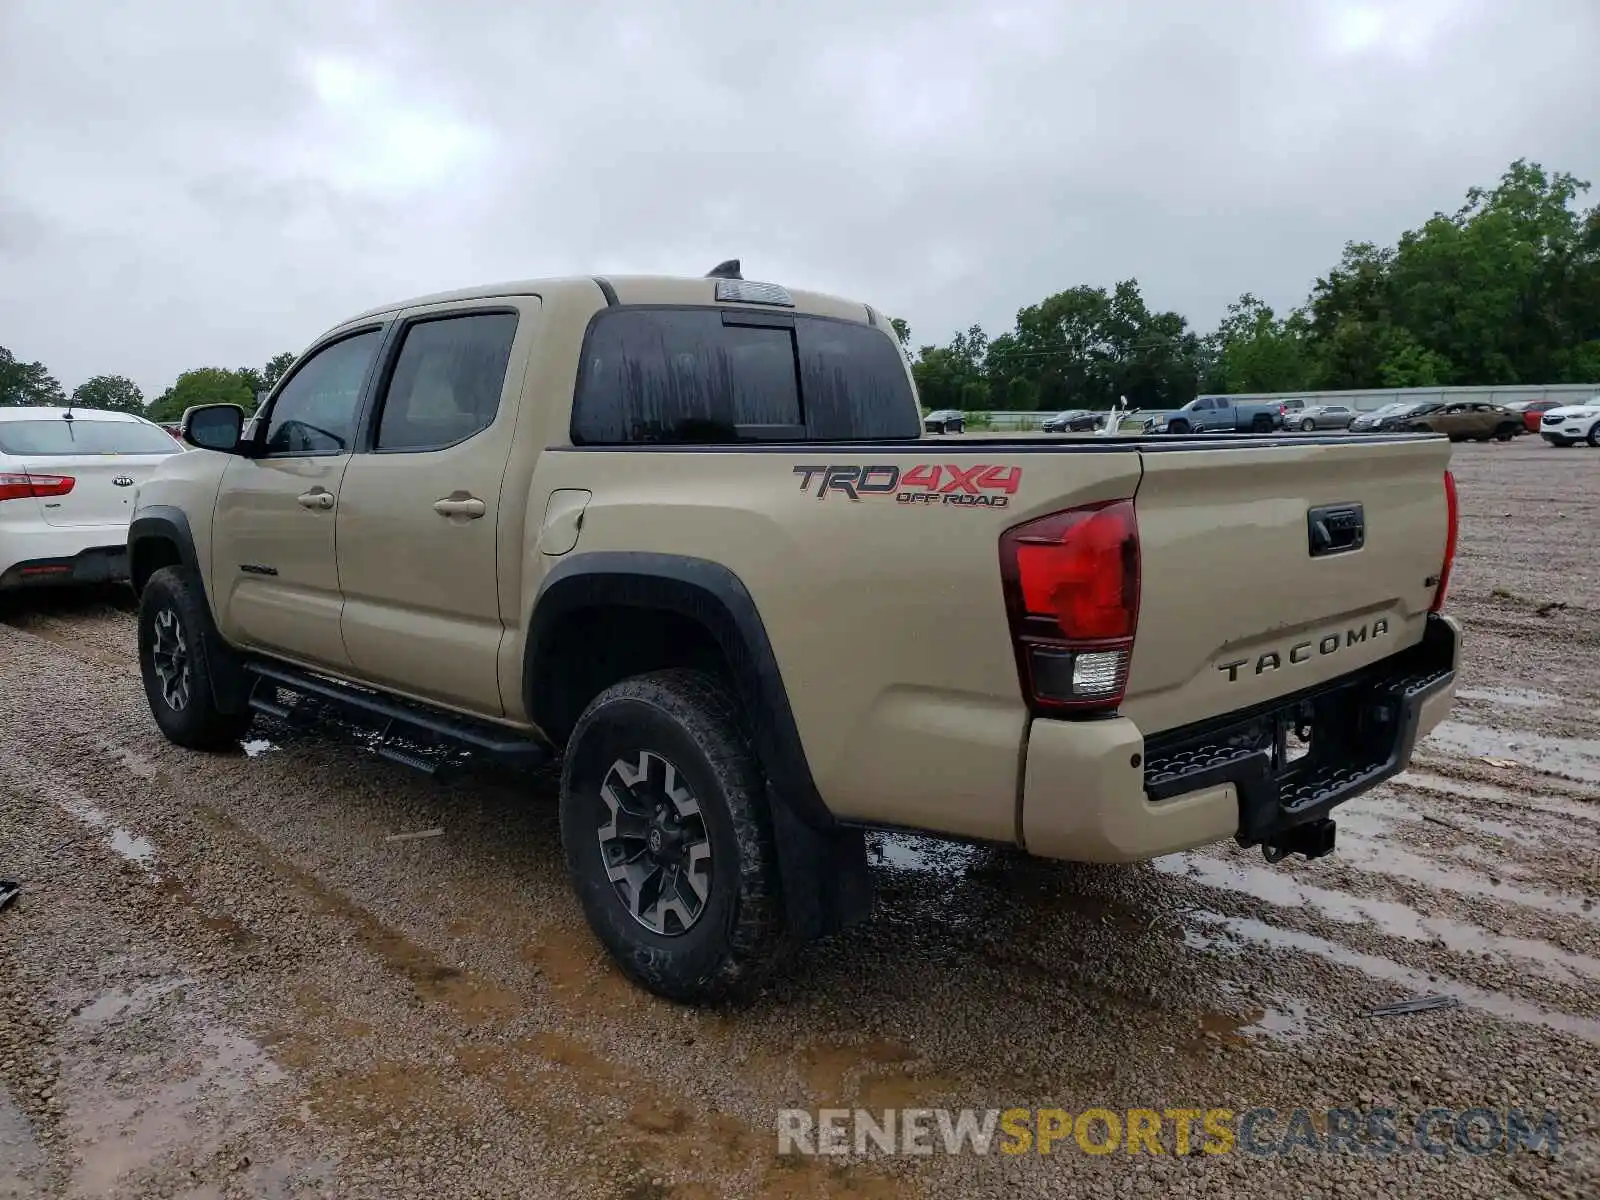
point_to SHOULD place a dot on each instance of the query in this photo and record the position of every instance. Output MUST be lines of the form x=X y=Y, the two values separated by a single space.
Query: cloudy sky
x=188 y=183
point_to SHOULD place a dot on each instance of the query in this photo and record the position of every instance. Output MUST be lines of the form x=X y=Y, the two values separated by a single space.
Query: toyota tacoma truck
x=684 y=537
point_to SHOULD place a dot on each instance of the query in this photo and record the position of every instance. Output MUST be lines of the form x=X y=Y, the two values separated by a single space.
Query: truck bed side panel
x=885 y=614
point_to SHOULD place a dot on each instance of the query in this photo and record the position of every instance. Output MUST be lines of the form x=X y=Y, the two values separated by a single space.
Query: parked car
x=1464 y=421
x=945 y=420
x=1383 y=420
x=1570 y=423
x=68 y=477
x=1074 y=420
x=1324 y=416
x=467 y=518
x=1531 y=411
x=1217 y=414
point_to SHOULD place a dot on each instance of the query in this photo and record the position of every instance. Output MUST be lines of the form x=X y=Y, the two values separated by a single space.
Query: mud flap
x=826 y=884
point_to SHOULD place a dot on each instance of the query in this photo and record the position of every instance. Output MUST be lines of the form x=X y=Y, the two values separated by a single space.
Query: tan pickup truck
x=685 y=536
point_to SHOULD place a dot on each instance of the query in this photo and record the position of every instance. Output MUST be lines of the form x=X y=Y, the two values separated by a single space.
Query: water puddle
x=1267 y=1017
x=908 y=852
x=20 y=1153
x=137 y=850
x=1389 y=917
x=1381 y=858
x=1385 y=970
x=120 y=1135
x=1576 y=758
x=108 y=1006
x=1513 y=697
x=1549 y=804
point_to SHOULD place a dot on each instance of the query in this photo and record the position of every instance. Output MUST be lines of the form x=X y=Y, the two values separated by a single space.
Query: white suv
x=1572 y=423
x=67 y=483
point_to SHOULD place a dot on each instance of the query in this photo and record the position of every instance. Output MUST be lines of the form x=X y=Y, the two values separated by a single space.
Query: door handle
x=459 y=506
x=316 y=498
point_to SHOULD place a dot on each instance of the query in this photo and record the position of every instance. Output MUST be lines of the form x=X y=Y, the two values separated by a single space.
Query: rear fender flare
x=713 y=597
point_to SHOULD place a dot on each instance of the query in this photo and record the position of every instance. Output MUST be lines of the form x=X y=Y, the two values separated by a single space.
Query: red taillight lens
x=21 y=486
x=1071 y=582
x=1453 y=525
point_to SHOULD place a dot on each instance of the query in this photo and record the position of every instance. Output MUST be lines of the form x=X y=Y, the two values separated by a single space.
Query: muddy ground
x=221 y=979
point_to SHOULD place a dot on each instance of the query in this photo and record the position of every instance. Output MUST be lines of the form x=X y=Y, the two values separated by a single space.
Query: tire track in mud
x=481 y=1058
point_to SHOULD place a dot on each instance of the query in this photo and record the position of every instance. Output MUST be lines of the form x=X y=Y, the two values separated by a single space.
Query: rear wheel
x=176 y=649
x=1261 y=423
x=668 y=838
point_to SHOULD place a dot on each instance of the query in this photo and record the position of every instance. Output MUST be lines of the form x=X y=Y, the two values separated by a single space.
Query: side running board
x=395 y=718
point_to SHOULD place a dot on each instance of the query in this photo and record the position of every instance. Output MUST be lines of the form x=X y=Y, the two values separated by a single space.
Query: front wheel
x=1594 y=435
x=958 y=427
x=1505 y=433
x=668 y=838
x=1178 y=426
x=175 y=659
x=1308 y=425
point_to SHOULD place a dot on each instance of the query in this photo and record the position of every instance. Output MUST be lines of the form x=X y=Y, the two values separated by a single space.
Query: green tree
x=26 y=384
x=1253 y=351
x=115 y=393
x=204 y=385
x=278 y=365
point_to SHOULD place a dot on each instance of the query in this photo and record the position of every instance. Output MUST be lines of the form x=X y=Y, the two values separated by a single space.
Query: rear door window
x=41 y=439
x=699 y=376
x=447 y=381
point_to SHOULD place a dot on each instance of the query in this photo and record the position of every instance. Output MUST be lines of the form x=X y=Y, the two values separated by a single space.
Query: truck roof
x=638 y=289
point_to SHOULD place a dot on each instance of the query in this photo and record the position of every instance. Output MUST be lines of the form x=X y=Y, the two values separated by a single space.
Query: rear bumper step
x=395 y=718
x=1362 y=730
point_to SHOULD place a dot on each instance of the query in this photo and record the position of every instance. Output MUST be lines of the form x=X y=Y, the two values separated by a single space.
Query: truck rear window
x=711 y=375
x=57 y=436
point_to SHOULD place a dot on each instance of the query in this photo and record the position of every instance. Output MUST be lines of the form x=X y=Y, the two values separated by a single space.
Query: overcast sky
x=187 y=183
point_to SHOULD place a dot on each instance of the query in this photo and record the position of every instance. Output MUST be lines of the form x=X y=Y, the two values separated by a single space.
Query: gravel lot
x=221 y=980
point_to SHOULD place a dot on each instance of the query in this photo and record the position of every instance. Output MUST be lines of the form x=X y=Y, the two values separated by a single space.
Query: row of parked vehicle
x=1460 y=420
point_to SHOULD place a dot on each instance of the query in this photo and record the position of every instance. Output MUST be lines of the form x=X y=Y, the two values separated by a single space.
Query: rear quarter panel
x=886 y=615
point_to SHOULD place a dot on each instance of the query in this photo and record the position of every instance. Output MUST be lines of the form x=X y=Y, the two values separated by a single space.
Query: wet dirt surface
x=221 y=979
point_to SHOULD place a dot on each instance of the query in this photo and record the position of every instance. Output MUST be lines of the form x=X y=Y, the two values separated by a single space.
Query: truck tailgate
x=1248 y=591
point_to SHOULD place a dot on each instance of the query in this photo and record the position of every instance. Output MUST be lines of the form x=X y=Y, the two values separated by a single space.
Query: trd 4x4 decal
x=979 y=485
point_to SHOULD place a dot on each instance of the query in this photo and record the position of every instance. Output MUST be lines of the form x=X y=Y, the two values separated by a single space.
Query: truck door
x=422 y=501
x=273 y=571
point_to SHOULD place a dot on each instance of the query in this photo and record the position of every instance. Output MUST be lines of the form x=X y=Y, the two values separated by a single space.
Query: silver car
x=1321 y=416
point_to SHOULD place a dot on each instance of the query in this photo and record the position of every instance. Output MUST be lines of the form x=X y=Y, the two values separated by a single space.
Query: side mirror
x=213 y=427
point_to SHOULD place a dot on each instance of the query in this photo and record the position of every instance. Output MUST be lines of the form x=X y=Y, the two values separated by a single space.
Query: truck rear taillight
x=1453 y=524
x=21 y=485
x=1071 y=584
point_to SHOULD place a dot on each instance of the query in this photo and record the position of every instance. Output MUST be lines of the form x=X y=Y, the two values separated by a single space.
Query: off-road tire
x=690 y=720
x=174 y=599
